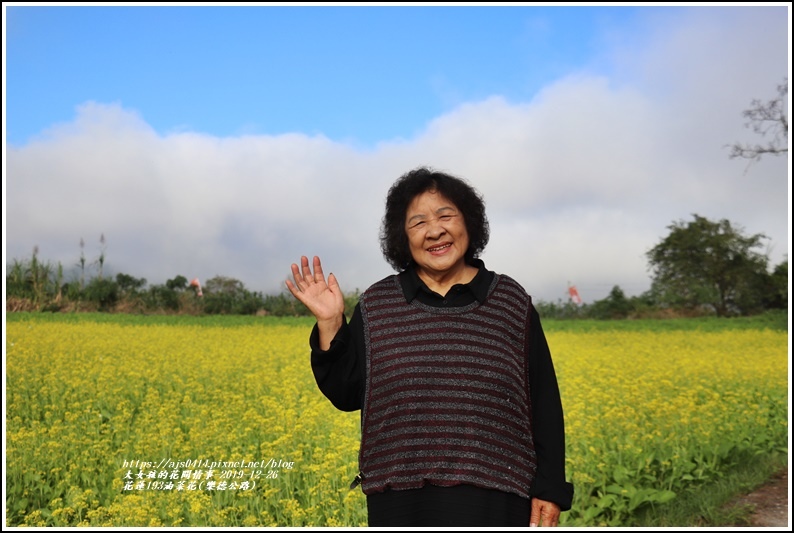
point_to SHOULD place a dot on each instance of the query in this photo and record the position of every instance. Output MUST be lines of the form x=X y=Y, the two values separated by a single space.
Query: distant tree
x=82 y=263
x=284 y=304
x=616 y=305
x=224 y=285
x=16 y=279
x=129 y=284
x=224 y=295
x=101 y=260
x=34 y=280
x=781 y=283
x=559 y=309
x=776 y=287
x=178 y=283
x=706 y=263
x=767 y=119
x=160 y=297
x=40 y=278
x=351 y=300
x=103 y=292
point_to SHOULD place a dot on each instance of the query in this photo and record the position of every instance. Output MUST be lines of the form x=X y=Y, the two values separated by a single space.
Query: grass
x=775 y=321
x=158 y=319
x=709 y=505
x=772 y=320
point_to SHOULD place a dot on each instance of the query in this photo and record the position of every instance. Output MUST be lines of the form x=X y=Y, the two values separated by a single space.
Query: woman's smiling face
x=437 y=236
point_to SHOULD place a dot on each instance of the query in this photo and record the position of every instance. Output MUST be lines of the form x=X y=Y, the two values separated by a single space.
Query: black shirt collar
x=411 y=283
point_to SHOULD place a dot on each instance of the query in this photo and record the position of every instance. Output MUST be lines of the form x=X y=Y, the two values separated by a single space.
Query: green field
x=124 y=420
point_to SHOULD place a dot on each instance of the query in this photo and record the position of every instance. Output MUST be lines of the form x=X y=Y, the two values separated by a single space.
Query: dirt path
x=770 y=503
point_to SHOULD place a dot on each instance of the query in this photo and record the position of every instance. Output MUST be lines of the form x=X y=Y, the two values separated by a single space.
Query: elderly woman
x=461 y=417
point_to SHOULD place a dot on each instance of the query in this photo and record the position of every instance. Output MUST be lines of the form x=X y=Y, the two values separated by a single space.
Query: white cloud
x=579 y=182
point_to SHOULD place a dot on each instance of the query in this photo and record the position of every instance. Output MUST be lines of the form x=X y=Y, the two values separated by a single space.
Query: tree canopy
x=703 y=262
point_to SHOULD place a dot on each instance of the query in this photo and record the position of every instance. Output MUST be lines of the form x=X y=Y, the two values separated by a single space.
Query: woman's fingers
x=318 y=270
x=303 y=274
x=297 y=276
x=307 y=272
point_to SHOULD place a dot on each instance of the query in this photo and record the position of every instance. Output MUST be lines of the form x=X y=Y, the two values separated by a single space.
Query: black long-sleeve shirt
x=340 y=375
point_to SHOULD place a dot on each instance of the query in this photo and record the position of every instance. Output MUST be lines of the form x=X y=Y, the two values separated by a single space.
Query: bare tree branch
x=768 y=119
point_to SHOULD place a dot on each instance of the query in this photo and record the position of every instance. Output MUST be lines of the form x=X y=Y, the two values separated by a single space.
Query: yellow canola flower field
x=112 y=424
x=90 y=406
x=651 y=413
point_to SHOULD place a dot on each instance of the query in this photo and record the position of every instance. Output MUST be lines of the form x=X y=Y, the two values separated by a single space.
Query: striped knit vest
x=447 y=393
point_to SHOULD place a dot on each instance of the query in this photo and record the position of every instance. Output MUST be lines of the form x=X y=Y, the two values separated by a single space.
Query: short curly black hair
x=393 y=238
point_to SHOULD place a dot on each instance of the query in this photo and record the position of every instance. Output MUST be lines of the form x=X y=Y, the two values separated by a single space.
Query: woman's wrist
x=328 y=330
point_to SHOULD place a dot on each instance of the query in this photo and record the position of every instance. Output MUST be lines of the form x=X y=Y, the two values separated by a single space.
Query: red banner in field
x=197 y=284
x=574 y=295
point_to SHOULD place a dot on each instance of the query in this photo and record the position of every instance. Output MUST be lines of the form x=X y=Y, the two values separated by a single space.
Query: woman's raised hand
x=324 y=299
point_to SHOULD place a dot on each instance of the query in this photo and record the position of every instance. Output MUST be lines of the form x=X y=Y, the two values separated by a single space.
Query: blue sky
x=360 y=74
x=214 y=140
